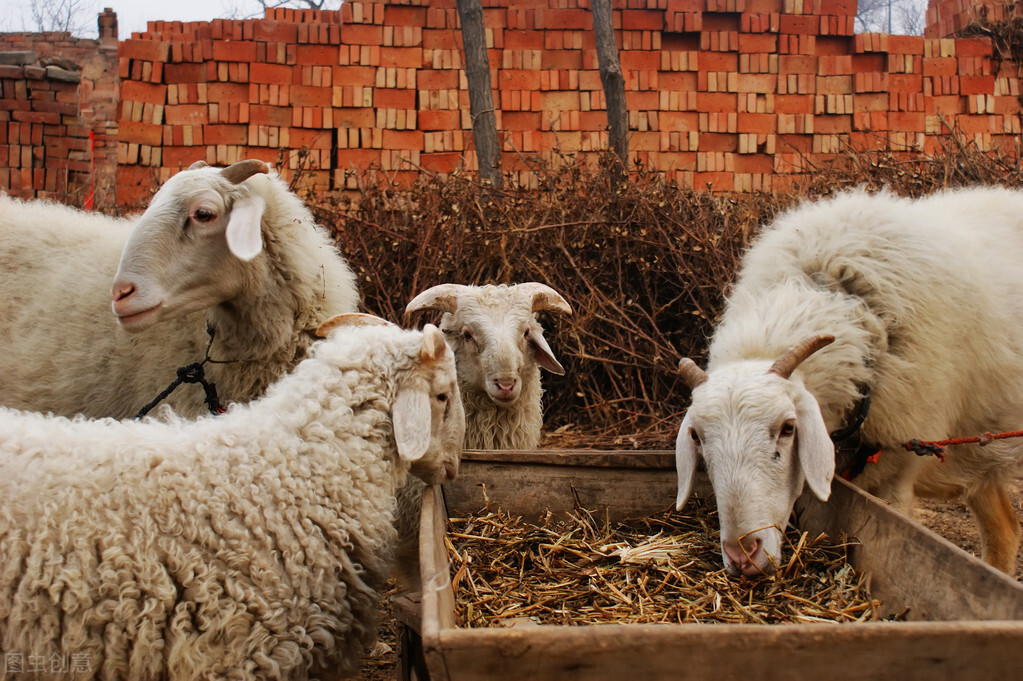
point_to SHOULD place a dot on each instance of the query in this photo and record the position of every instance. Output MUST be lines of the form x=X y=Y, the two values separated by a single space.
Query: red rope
x=937 y=447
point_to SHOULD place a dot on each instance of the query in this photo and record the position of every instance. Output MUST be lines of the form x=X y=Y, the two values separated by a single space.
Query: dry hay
x=661 y=569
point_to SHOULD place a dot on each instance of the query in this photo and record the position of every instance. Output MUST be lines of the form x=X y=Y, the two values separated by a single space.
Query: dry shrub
x=643 y=262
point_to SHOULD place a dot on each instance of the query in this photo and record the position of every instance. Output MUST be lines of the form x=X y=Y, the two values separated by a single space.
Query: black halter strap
x=850 y=445
x=193 y=373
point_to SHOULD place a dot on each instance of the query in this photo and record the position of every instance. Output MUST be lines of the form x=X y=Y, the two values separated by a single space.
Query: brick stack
x=947 y=18
x=95 y=62
x=735 y=95
x=44 y=145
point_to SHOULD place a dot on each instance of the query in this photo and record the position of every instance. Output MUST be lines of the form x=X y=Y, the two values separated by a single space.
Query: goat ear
x=411 y=415
x=433 y=348
x=816 y=450
x=543 y=353
x=685 y=463
x=244 y=232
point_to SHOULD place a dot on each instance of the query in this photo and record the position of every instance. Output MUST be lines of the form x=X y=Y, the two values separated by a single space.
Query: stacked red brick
x=44 y=146
x=95 y=60
x=949 y=17
x=737 y=95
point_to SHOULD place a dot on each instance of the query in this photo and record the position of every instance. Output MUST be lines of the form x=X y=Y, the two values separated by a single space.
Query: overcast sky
x=132 y=15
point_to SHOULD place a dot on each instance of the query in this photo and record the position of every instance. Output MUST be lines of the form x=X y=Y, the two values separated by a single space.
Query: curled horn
x=691 y=374
x=350 y=319
x=443 y=297
x=794 y=356
x=545 y=298
x=236 y=173
x=197 y=165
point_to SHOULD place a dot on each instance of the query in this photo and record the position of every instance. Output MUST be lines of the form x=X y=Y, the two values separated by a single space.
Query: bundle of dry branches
x=645 y=264
x=665 y=568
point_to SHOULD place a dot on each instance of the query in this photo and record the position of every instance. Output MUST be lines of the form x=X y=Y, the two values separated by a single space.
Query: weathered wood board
x=968 y=618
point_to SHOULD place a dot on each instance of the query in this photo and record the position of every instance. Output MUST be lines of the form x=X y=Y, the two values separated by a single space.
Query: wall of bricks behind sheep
x=734 y=95
x=58 y=115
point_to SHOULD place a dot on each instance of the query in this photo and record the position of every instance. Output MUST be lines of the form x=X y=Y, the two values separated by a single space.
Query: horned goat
x=499 y=348
x=249 y=545
x=230 y=250
x=921 y=298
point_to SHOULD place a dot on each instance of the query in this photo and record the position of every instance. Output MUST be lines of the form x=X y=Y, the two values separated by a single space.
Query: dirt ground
x=954 y=522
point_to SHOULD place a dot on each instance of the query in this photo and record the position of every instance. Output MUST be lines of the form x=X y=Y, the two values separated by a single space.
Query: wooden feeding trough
x=959 y=619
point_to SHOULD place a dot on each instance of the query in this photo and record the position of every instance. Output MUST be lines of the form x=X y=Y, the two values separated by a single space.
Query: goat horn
x=794 y=356
x=691 y=374
x=544 y=297
x=443 y=297
x=236 y=173
x=350 y=319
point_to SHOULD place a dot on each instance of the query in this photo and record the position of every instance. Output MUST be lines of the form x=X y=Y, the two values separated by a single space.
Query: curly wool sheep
x=249 y=545
x=226 y=249
x=921 y=300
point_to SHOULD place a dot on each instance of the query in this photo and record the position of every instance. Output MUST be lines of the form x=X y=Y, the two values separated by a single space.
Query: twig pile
x=665 y=568
x=645 y=264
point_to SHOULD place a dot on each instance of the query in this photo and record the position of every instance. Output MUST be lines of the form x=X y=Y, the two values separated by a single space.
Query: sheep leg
x=999 y=527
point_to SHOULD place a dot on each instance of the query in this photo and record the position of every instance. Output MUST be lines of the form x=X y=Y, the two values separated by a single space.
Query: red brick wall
x=58 y=139
x=735 y=95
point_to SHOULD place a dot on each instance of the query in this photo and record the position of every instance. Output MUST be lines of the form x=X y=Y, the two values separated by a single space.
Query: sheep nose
x=505 y=385
x=123 y=292
x=743 y=554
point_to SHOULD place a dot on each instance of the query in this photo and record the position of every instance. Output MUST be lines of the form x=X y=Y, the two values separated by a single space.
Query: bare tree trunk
x=481 y=97
x=612 y=79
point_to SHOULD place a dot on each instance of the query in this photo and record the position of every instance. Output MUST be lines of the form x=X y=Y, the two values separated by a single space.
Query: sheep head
x=761 y=436
x=494 y=332
x=426 y=408
x=189 y=249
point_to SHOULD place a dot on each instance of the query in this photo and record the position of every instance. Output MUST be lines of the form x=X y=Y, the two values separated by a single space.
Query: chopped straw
x=665 y=568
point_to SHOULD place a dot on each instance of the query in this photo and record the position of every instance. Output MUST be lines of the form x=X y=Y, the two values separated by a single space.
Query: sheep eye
x=442 y=397
x=694 y=436
x=467 y=335
x=787 y=429
x=204 y=215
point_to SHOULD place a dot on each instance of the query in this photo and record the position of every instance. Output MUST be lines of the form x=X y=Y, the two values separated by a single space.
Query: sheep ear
x=685 y=463
x=244 y=231
x=543 y=353
x=433 y=348
x=411 y=415
x=816 y=450
x=443 y=297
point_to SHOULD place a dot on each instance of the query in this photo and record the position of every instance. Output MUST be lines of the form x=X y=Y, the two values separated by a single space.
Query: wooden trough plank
x=911 y=575
x=918 y=651
x=528 y=483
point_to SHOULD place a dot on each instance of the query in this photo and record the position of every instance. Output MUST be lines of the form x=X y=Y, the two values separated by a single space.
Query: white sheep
x=249 y=545
x=499 y=348
x=228 y=249
x=923 y=300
